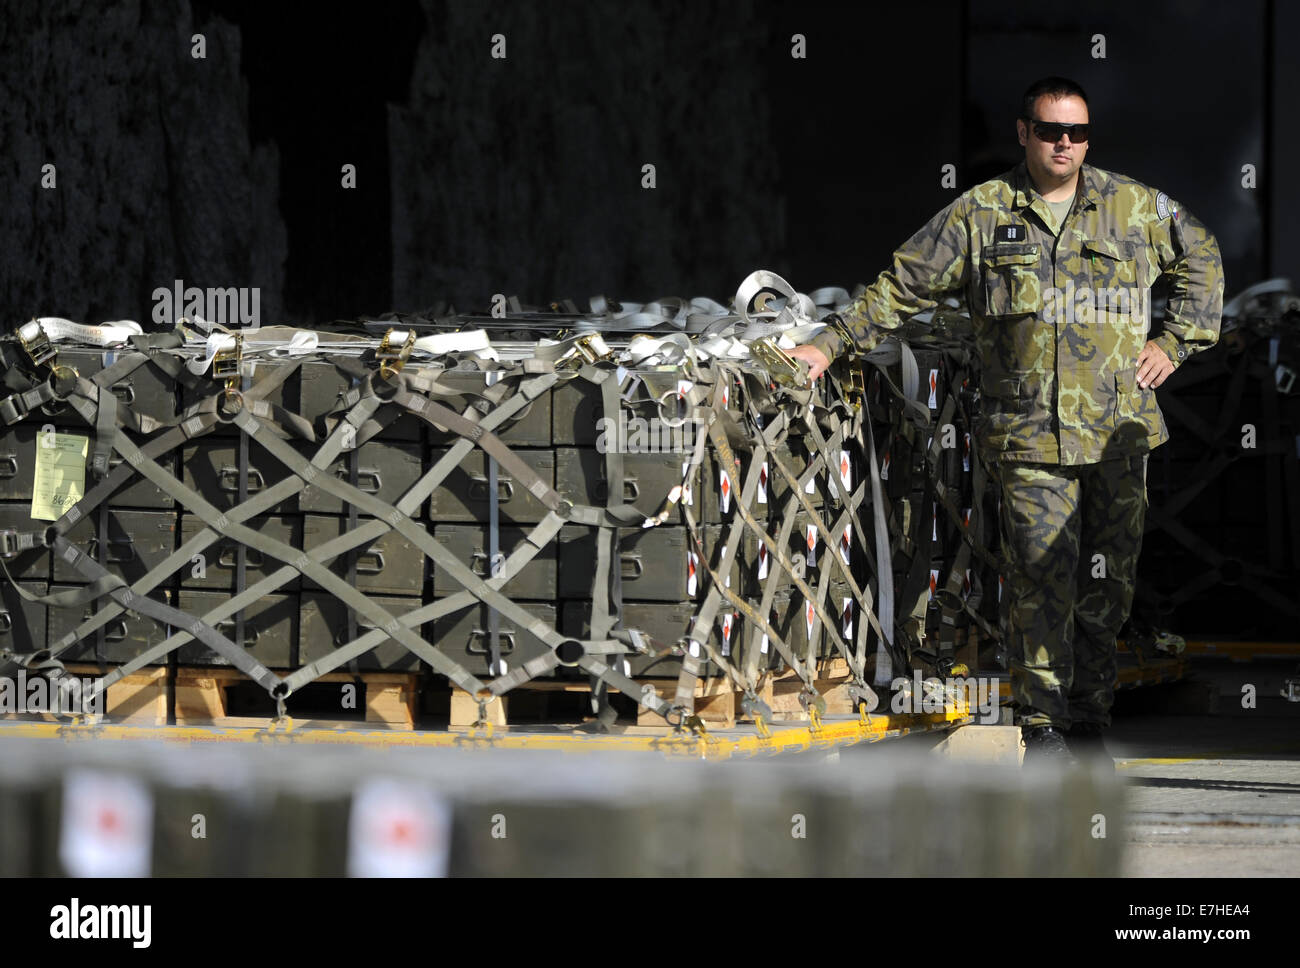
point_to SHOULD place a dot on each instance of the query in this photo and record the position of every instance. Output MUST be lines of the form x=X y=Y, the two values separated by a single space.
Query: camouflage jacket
x=1058 y=320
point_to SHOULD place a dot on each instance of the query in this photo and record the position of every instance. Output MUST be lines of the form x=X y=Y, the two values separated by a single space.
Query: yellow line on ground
x=715 y=744
x=1210 y=755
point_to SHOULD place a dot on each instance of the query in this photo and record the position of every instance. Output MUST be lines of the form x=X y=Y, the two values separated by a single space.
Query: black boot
x=1045 y=744
x=1085 y=742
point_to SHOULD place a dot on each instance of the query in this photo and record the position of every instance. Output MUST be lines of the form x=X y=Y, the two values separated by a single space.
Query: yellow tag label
x=60 y=474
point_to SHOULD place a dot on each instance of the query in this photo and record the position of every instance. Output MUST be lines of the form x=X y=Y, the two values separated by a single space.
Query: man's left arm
x=1188 y=254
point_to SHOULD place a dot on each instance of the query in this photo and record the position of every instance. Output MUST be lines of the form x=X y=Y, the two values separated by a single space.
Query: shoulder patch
x=1162 y=205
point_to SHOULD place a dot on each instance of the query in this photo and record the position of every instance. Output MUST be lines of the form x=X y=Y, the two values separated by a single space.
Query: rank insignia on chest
x=1010 y=233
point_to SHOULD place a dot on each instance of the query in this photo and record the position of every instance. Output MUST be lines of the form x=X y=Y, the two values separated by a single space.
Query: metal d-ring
x=668 y=421
x=231 y=394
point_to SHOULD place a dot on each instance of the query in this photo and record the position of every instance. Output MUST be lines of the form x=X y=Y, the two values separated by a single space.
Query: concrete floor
x=1211 y=788
x=1218 y=794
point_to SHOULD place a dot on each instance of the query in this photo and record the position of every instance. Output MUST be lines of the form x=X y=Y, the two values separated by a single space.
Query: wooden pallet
x=390 y=698
x=138 y=699
x=717 y=700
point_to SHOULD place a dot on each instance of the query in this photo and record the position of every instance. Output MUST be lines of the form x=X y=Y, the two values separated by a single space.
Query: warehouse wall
x=476 y=175
x=155 y=177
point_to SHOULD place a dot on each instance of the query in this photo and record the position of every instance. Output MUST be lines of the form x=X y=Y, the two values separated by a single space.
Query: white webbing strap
x=57 y=330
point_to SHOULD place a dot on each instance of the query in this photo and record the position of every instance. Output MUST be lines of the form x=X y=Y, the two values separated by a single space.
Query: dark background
x=523 y=175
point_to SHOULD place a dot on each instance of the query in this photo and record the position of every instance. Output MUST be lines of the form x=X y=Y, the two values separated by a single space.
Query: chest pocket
x=1111 y=263
x=1010 y=279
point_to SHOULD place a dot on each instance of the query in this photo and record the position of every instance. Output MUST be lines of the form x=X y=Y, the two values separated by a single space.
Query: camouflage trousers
x=1072 y=536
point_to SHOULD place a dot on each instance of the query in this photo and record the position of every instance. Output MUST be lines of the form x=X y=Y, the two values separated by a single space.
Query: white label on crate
x=726 y=395
x=762 y=483
x=847 y=612
x=687 y=498
x=692 y=560
x=965 y=517
x=762 y=647
x=107 y=825
x=846 y=473
x=811 y=486
x=398 y=828
x=884 y=467
x=762 y=560
x=965 y=586
x=846 y=543
x=812 y=546
x=810 y=615
x=60 y=474
x=934 y=582
x=724 y=491
x=683 y=388
x=728 y=621
x=935 y=529
x=934 y=389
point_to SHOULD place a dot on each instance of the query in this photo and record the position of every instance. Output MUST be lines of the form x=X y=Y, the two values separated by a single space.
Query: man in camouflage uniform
x=1055 y=260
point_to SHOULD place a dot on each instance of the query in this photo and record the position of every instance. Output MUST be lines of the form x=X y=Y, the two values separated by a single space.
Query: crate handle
x=92 y=550
x=373 y=482
x=227 y=628
x=631 y=490
x=478 y=488
x=507 y=640
x=376 y=556
x=252 y=557
x=255 y=479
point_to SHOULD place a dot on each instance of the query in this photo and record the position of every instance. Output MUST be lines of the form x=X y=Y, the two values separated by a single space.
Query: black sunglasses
x=1051 y=131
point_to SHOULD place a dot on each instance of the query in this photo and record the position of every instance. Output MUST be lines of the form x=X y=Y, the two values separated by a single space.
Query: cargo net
x=625 y=494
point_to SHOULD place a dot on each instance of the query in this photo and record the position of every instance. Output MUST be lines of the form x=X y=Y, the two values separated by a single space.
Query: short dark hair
x=1053 y=87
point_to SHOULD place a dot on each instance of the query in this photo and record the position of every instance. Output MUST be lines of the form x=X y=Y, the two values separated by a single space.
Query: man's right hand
x=817 y=360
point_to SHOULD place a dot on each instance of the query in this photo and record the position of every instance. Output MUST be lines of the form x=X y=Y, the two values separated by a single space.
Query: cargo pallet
x=741 y=740
x=196 y=704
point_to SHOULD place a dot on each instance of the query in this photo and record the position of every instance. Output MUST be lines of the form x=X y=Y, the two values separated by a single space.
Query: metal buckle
x=225 y=365
x=781 y=367
x=1285 y=377
x=391 y=360
x=856 y=391
x=836 y=324
x=36 y=344
x=592 y=347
